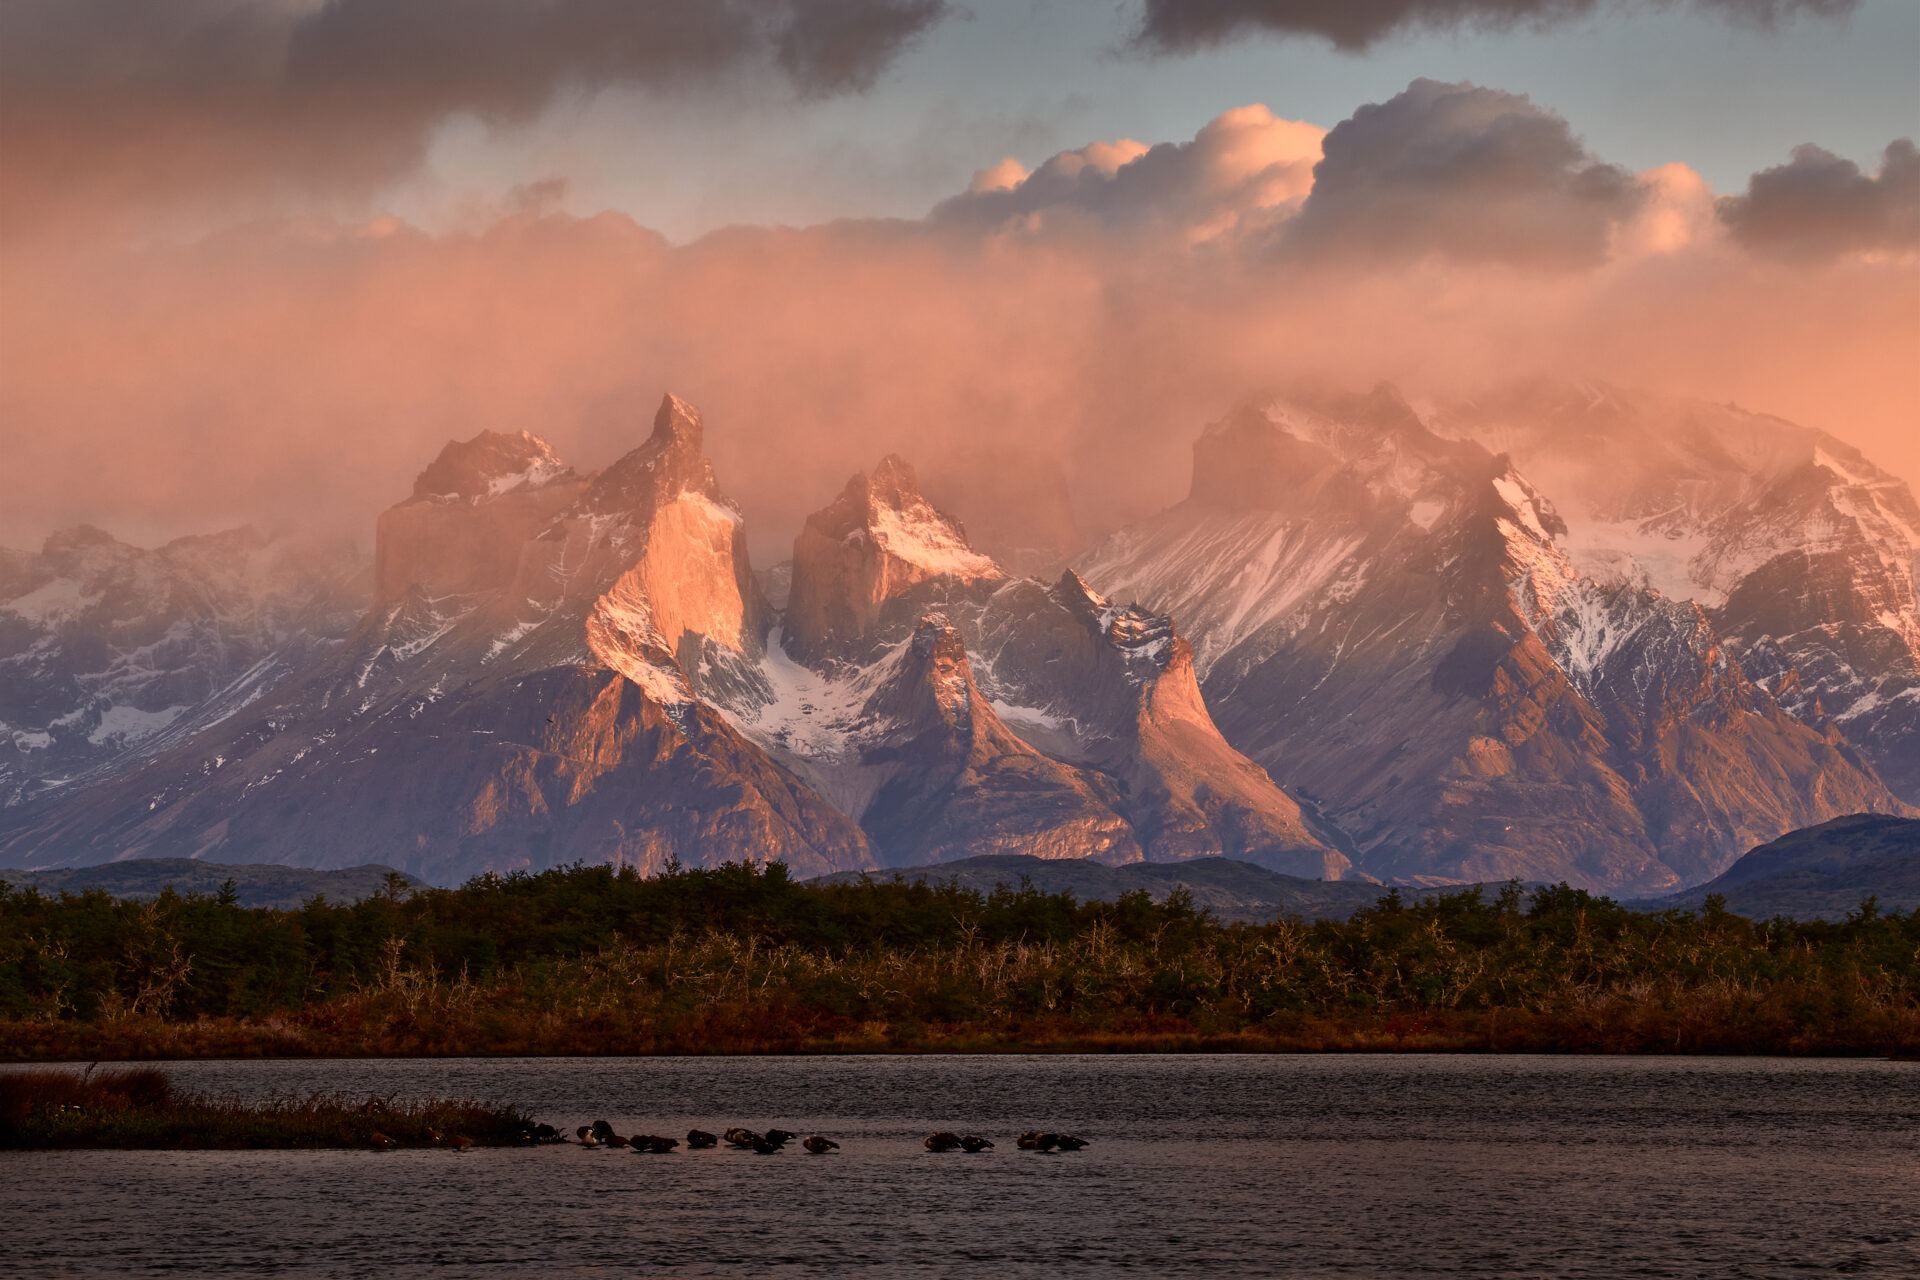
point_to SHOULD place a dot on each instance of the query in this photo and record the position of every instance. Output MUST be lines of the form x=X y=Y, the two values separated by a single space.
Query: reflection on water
x=1215 y=1166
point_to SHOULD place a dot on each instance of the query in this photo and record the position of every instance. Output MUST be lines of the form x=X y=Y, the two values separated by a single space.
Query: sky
x=260 y=258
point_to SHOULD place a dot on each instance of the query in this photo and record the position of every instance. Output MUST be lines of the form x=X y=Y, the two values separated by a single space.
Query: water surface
x=1204 y=1165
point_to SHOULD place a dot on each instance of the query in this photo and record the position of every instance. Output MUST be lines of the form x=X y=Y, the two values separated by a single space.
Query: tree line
x=744 y=958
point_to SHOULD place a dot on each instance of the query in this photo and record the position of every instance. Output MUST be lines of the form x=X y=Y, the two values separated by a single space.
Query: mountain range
x=1367 y=646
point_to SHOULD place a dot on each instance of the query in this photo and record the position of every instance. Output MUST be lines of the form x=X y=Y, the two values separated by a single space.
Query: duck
x=604 y=1131
x=700 y=1140
x=546 y=1133
x=459 y=1143
x=781 y=1135
x=971 y=1144
x=820 y=1146
x=942 y=1141
x=381 y=1142
x=767 y=1146
x=653 y=1144
x=585 y=1135
x=1033 y=1140
x=738 y=1137
x=1067 y=1142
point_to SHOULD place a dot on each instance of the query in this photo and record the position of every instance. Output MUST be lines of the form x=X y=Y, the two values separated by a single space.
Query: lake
x=1199 y=1166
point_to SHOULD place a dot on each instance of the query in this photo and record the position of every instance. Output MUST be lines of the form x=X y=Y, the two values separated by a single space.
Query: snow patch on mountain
x=921 y=536
x=52 y=602
x=1226 y=578
x=131 y=724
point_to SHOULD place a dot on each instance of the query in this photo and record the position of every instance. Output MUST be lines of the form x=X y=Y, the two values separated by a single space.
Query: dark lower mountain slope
x=255 y=884
x=1823 y=872
x=1234 y=891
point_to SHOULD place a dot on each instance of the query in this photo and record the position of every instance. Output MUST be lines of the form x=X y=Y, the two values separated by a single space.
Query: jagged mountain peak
x=671 y=461
x=1350 y=458
x=877 y=540
x=932 y=681
x=1147 y=641
x=489 y=464
x=1436 y=668
x=887 y=506
x=678 y=419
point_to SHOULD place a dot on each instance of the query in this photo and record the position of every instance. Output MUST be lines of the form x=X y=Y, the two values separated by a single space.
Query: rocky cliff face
x=1388 y=620
x=472 y=511
x=1401 y=654
x=951 y=780
x=108 y=650
x=498 y=711
x=874 y=543
x=1800 y=551
x=1092 y=708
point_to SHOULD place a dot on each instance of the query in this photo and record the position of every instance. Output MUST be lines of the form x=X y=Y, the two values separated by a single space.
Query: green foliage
x=594 y=958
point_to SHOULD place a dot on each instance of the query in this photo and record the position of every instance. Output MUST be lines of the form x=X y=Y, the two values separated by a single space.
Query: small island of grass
x=140 y=1108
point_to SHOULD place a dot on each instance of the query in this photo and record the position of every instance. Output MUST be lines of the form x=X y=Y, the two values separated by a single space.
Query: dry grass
x=130 y=1108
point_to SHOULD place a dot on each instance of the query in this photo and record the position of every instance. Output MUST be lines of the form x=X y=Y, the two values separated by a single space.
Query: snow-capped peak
x=905 y=525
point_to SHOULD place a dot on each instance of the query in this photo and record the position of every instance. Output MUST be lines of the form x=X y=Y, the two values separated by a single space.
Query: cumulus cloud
x=1464 y=172
x=119 y=97
x=1089 y=313
x=1244 y=166
x=1179 y=26
x=1819 y=205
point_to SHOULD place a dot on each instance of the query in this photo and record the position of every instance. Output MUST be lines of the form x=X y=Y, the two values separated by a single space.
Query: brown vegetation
x=140 y=1108
x=745 y=961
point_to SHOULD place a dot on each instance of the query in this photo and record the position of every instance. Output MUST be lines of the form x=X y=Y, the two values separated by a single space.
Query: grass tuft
x=139 y=1108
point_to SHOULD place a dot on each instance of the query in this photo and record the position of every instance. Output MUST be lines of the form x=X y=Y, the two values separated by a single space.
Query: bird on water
x=604 y=1132
x=700 y=1140
x=971 y=1144
x=942 y=1141
x=1033 y=1140
x=820 y=1146
x=653 y=1144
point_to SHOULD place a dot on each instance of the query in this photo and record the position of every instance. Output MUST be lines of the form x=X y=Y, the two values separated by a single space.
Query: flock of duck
x=601 y=1134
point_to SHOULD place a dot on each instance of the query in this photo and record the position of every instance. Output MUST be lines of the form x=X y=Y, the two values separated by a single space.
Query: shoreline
x=196 y=1042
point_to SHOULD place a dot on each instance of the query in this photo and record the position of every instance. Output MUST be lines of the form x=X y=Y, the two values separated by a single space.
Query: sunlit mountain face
x=1359 y=649
x=1117 y=436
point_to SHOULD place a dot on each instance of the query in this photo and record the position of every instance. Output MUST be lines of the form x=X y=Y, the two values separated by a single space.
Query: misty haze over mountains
x=1556 y=632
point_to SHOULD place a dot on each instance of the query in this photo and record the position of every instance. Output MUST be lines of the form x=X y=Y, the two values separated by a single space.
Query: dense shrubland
x=743 y=959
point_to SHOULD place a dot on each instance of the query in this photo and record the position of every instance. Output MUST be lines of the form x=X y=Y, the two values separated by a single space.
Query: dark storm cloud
x=1819 y=205
x=1176 y=26
x=1466 y=173
x=511 y=55
x=117 y=99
